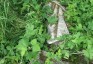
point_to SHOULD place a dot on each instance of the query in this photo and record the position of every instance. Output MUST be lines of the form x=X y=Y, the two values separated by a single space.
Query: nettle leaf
x=79 y=26
x=9 y=48
x=22 y=46
x=31 y=55
x=88 y=53
x=62 y=46
x=35 y=45
x=90 y=25
x=37 y=7
x=14 y=1
x=2 y=61
x=30 y=31
x=50 y=54
x=47 y=10
x=66 y=54
x=59 y=54
x=89 y=44
x=91 y=2
x=52 y=19
x=34 y=1
x=41 y=30
x=48 y=61
x=26 y=1
x=77 y=39
x=71 y=45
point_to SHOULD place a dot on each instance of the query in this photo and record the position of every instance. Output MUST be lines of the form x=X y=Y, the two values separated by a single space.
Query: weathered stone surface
x=60 y=28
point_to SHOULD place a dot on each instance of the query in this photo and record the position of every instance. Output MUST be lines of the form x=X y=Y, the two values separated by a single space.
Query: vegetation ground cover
x=23 y=32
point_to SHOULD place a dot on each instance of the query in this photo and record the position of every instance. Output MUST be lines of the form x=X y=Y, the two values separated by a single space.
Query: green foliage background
x=23 y=32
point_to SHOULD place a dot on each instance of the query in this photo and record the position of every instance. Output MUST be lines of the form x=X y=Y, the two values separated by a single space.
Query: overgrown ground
x=23 y=32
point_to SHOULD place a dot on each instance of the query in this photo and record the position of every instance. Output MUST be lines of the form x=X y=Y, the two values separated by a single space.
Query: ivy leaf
x=35 y=45
x=36 y=48
x=22 y=46
x=30 y=30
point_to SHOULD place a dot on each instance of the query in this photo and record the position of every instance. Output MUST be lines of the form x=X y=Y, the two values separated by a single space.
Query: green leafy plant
x=23 y=32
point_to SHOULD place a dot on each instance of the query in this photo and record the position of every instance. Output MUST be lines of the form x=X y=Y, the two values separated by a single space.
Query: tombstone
x=58 y=29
